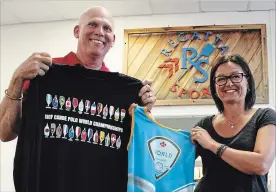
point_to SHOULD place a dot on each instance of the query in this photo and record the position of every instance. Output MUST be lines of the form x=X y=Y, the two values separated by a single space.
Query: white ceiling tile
x=6 y=16
x=223 y=5
x=65 y=8
x=33 y=11
x=262 y=5
x=130 y=7
x=14 y=11
x=89 y=1
x=117 y=8
x=174 y=6
x=138 y=0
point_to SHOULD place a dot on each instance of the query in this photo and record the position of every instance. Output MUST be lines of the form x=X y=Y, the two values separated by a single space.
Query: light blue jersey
x=160 y=159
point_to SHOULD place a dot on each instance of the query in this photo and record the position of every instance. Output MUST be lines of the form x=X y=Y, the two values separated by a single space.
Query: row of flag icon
x=83 y=135
x=85 y=107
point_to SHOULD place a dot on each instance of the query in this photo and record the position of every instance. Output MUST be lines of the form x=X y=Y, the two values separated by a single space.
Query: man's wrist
x=15 y=87
x=17 y=79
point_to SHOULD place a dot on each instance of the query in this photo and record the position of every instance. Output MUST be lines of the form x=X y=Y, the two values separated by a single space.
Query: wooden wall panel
x=144 y=59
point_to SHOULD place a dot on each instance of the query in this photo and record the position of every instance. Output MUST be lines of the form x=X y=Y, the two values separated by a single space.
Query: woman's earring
x=248 y=90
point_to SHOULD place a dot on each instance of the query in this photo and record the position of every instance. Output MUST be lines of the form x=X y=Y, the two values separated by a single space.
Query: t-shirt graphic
x=75 y=131
x=160 y=159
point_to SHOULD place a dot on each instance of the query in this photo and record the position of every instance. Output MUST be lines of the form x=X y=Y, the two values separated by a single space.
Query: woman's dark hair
x=238 y=60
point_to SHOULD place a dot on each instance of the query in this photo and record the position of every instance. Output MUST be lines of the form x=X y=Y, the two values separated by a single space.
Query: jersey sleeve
x=204 y=124
x=267 y=117
x=197 y=146
x=200 y=123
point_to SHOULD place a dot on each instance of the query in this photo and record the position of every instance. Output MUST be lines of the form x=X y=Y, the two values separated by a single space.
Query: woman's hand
x=202 y=137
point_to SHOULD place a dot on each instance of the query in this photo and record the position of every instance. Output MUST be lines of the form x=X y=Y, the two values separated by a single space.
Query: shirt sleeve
x=197 y=146
x=267 y=117
x=26 y=86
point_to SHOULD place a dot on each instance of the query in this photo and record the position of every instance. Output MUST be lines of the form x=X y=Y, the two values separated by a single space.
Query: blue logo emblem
x=164 y=154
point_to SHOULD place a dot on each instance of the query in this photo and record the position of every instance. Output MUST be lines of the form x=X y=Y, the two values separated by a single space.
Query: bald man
x=95 y=34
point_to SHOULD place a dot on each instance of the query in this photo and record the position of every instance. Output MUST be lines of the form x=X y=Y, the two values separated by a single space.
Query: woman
x=237 y=145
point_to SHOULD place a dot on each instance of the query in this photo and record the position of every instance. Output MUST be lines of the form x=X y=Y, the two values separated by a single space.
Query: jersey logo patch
x=164 y=154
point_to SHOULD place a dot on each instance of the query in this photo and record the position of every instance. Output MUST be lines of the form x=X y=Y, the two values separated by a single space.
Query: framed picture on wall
x=179 y=59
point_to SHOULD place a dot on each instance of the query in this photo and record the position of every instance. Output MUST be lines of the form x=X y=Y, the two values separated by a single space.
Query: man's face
x=95 y=33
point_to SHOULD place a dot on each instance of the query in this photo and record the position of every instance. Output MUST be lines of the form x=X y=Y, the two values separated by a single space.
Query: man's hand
x=133 y=105
x=147 y=94
x=36 y=64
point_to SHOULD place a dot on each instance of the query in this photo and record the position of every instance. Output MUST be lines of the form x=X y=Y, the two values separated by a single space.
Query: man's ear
x=113 y=40
x=76 y=31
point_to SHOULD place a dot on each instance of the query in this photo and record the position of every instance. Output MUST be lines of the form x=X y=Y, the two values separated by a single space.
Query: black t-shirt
x=218 y=175
x=75 y=130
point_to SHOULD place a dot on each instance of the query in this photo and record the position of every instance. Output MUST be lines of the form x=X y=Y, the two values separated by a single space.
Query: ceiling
x=30 y=11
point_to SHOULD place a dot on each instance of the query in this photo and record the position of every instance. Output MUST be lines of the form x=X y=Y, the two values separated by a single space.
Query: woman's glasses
x=235 y=78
